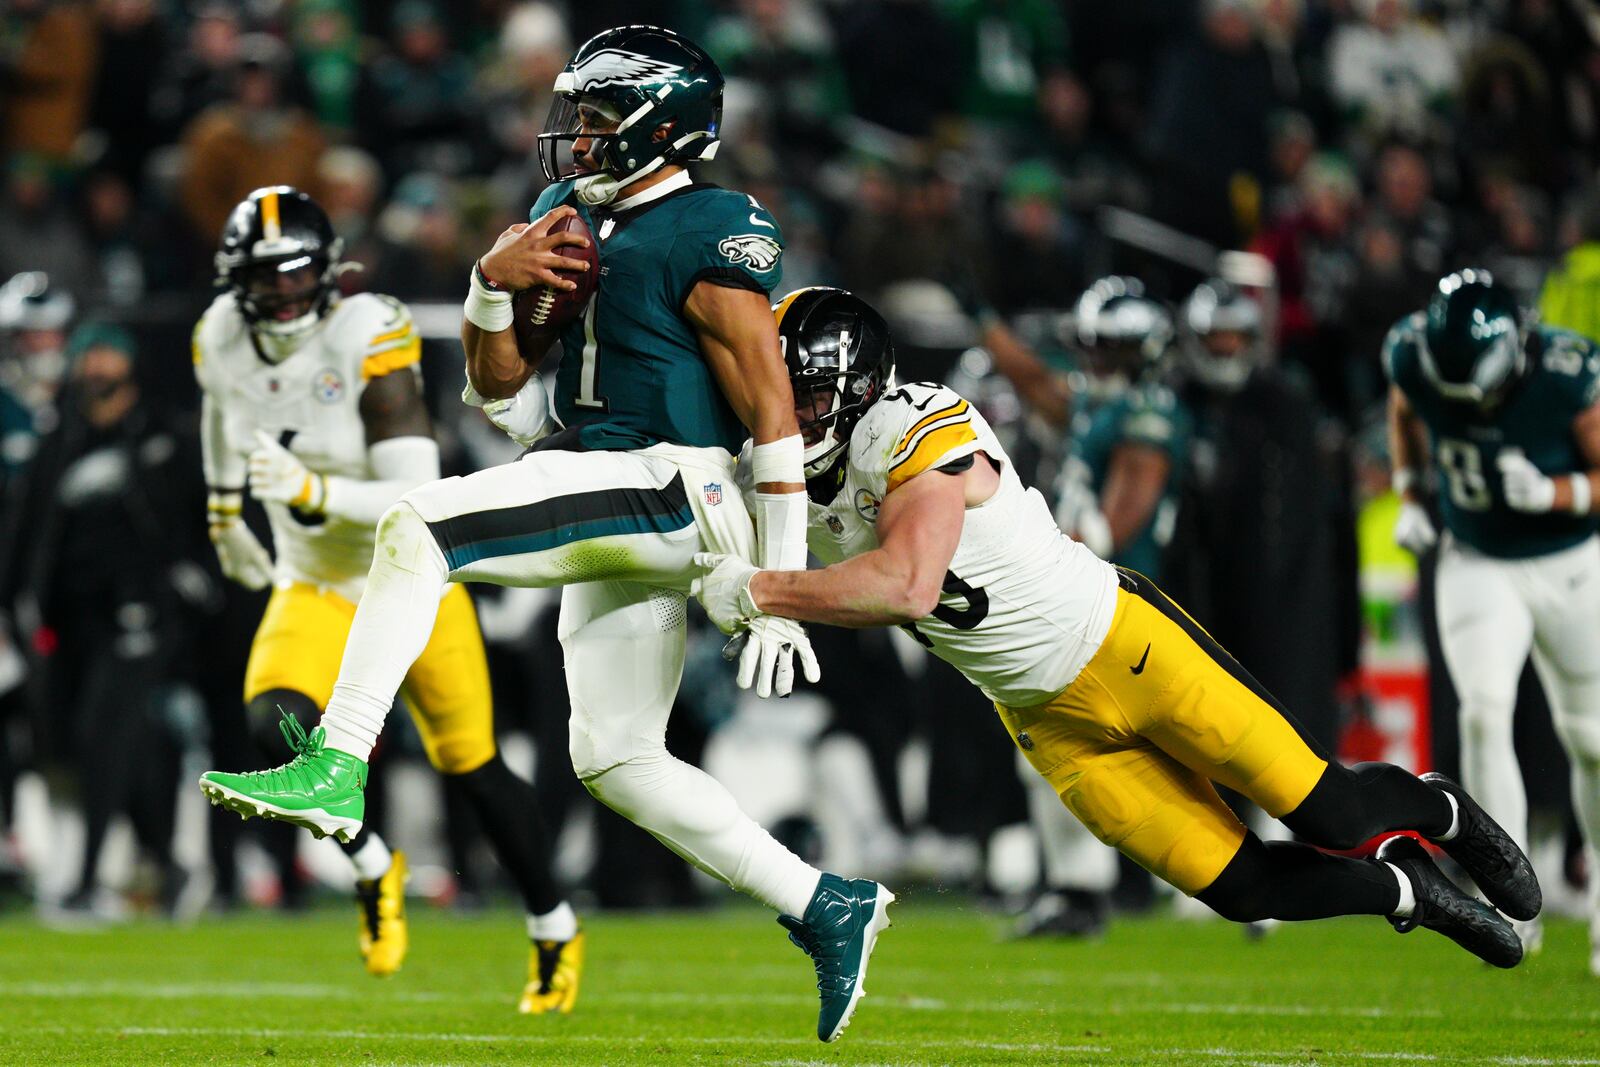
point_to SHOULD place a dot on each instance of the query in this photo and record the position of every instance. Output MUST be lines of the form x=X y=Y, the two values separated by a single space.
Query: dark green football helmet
x=1472 y=343
x=630 y=101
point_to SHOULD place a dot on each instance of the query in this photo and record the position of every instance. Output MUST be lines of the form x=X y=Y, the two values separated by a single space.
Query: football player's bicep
x=391 y=406
x=1135 y=481
x=738 y=335
x=919 y=527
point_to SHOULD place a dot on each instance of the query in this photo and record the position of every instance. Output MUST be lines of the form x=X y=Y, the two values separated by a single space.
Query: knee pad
x=1577 y=721
x=262 y=713
x=1485 y=716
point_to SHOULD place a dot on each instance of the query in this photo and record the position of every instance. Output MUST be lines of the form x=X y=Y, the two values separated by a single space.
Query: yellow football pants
x=1134 y=743
x=301 y=640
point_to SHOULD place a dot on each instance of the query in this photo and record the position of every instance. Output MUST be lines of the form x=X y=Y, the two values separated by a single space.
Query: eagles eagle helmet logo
x=755 y=250
x=613 y=66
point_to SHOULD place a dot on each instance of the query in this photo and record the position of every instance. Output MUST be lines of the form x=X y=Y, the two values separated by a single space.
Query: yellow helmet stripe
x=782 y=306
x=271 y=228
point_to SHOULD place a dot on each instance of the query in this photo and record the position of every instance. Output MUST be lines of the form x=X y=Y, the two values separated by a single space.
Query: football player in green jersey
x=1508 y=410
x=671 y=364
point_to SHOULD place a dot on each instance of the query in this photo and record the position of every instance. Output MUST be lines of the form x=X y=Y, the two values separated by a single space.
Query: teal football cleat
x=320 y=789
x=839 y=929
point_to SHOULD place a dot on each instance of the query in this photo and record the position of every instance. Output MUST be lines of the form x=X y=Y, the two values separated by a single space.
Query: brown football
x=540 y=313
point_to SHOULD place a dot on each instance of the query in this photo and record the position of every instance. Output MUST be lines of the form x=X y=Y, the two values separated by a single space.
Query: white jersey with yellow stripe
x=310 y=403
x=1024 y=606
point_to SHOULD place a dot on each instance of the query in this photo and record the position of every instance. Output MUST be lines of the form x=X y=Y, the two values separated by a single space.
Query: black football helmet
x=280 y=258
x=840 y=359
x=1472 y=344
x=619 y=91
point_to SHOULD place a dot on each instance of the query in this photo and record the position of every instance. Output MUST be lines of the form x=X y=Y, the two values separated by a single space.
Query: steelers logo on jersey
x=867 y=505
x=328 y=387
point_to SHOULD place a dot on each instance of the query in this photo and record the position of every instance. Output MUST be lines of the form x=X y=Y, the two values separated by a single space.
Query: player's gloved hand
x=766 y=654
x=1413 y=530
x=275 y=474
x=724 y=590
x=241 y=555
x=525 y=417
x=1527 y=488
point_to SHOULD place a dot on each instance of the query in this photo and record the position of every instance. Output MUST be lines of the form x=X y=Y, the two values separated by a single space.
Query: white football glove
x=276 y=474
x=1527 y=488
x=243 y=558
x=1413 y=530
x=766 y=655
x=525 y=417
x=724 y=590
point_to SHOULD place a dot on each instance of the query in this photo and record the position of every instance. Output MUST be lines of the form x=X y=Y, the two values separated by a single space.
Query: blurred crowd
x=971 y=166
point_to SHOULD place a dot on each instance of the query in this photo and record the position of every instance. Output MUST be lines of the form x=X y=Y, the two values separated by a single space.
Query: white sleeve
x=224 y=468
x=399 y=465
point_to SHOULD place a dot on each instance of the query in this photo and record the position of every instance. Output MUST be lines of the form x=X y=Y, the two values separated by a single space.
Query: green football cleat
x=320 y=789
x=839 y=929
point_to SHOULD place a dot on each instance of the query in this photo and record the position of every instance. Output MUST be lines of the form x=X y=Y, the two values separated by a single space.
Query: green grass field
x=727 y=988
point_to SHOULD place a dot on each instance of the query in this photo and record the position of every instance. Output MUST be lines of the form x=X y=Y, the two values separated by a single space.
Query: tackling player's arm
x=919 y=526
x=525 y=255
x=1134 y=483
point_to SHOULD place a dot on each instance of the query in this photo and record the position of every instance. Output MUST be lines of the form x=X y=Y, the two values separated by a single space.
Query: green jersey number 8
x=1462 y=464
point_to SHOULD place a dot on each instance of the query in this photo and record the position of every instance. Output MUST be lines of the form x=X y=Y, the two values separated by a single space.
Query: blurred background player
x=1507 y=412
x=1118 y=494
x=317 y=401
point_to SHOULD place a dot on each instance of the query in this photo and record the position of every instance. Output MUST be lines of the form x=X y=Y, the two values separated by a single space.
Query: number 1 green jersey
x=632 y=374
x=1563 y=379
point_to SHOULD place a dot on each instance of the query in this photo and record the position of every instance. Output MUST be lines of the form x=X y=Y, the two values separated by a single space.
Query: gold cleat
x=554 y=968
x=383 y=938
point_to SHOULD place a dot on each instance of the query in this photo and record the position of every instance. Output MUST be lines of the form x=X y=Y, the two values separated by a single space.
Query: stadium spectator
x=1207 y=136
x=516 y=91
x=1047 y=243
x=1404 y=204
x=47 y=72
x=1392 y=75
x=1008 y=50
x=34 y=318
x=906 y=89
x=420 y=250
x=328 y=50
x=132 y=51
x=39 y=229
x=256 y=138
x=415 y=105
x=112 y=507
x=201 y=73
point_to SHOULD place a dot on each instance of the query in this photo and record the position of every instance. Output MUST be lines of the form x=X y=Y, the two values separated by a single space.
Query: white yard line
x=1261 y=1056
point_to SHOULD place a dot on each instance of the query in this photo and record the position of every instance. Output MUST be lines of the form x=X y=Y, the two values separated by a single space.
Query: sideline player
x=1511 y=411
x=318 y=401
x=1111 y=691
x=1117 y=493
x=674 y=357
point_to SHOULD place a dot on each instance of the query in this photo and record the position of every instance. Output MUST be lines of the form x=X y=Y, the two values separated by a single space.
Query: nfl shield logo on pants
x=713 y=492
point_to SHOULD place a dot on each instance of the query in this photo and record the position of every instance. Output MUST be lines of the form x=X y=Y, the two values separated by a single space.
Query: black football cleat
x=1444 y=909
x=1487 y=853
x=1071 y=913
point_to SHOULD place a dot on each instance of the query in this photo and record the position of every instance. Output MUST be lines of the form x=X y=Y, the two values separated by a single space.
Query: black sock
x=1287 y=880
x=1350 y=805
x=509 y=812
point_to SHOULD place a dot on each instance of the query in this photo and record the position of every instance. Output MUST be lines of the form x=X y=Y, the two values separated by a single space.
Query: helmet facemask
x=283 y=300
x=827 y=405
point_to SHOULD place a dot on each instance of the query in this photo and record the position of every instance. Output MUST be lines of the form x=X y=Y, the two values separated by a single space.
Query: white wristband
x=781 y=461
x=781 y=530
x=487 y=309
x=1405 y=479
x=1581 y=494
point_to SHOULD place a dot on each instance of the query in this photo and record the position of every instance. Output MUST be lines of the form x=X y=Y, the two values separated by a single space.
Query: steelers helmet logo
x=328 y=387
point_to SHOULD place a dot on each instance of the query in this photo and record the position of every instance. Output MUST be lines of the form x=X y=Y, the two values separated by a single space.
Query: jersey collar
x=678 y=181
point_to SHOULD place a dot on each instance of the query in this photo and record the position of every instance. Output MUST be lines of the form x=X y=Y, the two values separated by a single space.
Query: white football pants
x=619 y=530
x=1492 y=612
